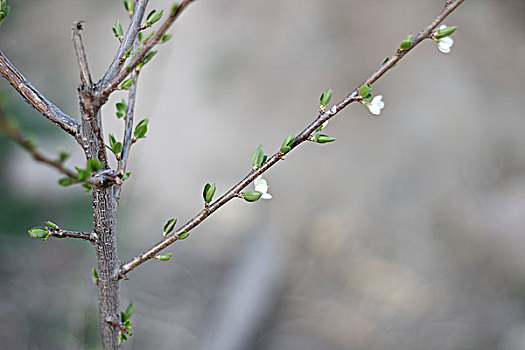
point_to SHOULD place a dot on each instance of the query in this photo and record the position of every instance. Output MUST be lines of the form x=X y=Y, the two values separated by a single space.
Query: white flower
x=261 y=185
x=446 y=43
x=376 y=105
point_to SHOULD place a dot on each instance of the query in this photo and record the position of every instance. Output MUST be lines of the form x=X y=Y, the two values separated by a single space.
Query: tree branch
x=87 y=236
x=85 y=75
x=127 y=41
x=110 y=83
x=37 y=100
x=235 y=191
x=101 y=179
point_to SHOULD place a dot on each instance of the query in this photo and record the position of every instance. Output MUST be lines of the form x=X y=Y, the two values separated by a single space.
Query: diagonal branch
x=37 y=100
x=14 y=133
x=235 y=191
x=127 y=41
x=87 y=236
x=110 y=83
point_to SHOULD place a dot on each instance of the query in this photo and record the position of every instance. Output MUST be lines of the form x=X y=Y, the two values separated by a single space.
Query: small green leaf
x=153 y=17
x=127 y=325
x=322 y=138
x=66 y=181
x=174 y=8
x=88 y=187
x=52 y=225
x=251 y=196
x=122 y=108
x=147 y=58
x=406 y=43
x=209 y=191
x=170 y=225
x=443 y=33
x=63 y=156
x=126 y=84
x=183 y=235
x=147 y=37
x=39 y=232
x=257 y=156
x=165 y=37
x=129 y=5
x=117 y=30
x=127 y=53
x=287 y=144
x=121 y=338
x=94 y=165
x=141 y=129
x=325 y=98
x=364 y=91
x=130 y=310
x=82 y=174
x=126 y=175
x=386 y=59
x=94 y=275
x=164 y=257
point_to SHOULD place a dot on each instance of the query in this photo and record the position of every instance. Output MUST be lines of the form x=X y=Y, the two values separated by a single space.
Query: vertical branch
x=85 y=75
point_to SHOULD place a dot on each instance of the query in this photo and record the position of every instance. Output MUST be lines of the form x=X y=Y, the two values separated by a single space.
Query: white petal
x=374 y=109
x=442 y=26
x=443 y=47
x=266 y=196
x=260 y=185
x=447 y=41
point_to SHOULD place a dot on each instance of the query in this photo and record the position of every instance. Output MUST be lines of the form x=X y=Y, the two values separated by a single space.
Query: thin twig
x=37 y=100
x=85 y=75
x=235 y=191
x=127 y=41
x=108 y=85
x=13 y=132
x=127 y=141
x=87 y=236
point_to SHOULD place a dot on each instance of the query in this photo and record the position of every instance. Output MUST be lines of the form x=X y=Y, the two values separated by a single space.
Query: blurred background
x=406 y=233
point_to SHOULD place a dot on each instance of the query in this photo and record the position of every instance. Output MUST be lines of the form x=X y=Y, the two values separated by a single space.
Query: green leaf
x=112 y=140
x=4 y=11
x=257 y=156
x=141 y=129
x=117 y=30
x=325 y=98
x=94 y=165
x=183 y=235
x=165 y=37
x=82 y=174
x=148 y=36
x=127 y=325
x=251 y=196
x=130 y=310
x=287 y=144
x=52 y=225
x=126 y=175
x=127 y=53
x=174 y=8
x=88 y=187
x=153 y=17
x=364 y=91
x=126 y=84
x=122 y=108
x=121 y=338
x=406 y=43
x=129 y=5
x=147 y=58
x=386 y=59
x=443 y=33
x=39 y=232
x=170 y=225
x=94 y=275
x=164 y=257
x=322 y=138
x=66 y=181
x=209 y=191
x=63 y=156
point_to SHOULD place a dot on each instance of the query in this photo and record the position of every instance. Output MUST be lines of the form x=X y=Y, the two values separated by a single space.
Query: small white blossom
x=376 y=105
x=446 y=43
x=261 y=185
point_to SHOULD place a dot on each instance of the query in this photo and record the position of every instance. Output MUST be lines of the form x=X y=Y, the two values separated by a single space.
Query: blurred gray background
x=406 y=233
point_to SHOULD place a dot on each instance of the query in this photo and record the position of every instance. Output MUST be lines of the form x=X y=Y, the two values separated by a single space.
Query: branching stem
x=300 y=138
